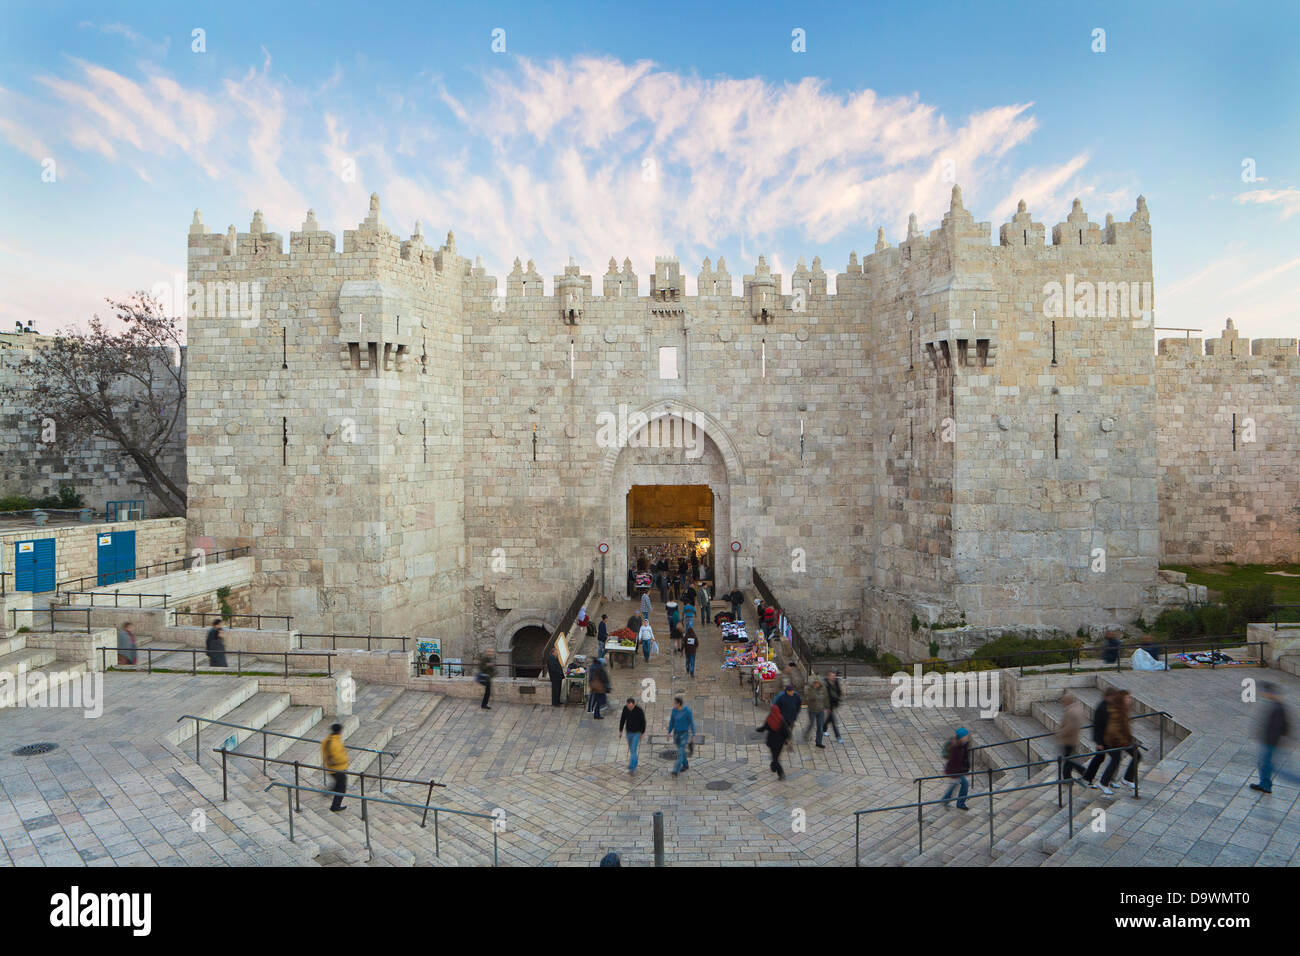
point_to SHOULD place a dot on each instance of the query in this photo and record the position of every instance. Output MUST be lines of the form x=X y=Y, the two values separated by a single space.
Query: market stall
x=575 y=681
x=620 y=648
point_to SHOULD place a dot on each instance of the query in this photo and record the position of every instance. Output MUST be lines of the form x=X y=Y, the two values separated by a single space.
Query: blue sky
x=631 y=131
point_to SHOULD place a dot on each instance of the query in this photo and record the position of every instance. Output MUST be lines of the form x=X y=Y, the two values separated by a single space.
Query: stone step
x=239 y=692
x=9 y=645
x=296 y=721
x=29 y=658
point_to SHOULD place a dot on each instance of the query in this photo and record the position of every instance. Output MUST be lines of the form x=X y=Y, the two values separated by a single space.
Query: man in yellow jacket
x=335 y=758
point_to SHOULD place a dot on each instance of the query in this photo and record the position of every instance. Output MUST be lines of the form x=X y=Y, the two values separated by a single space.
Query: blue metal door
x=116 y=557
x=34 y=565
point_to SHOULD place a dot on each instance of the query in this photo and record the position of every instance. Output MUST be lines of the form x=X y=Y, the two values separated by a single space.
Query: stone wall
x=961 y=427
x=1228 y=441
x=76 y=546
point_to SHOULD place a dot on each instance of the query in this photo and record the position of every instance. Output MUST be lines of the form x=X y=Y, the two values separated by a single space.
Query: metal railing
x=176 y=564
x=116 y=595
x=800 y=646
x=335 y=638
x=1275 y=608
x=1061 y=782
x=298 y=765
x=230 y=618
x=150 y=650
x=51 y=611
x=437 y=842
x=199 y=721
x=3 y=575
x=1051 y=733
x=1077 y=655
x=571 y=615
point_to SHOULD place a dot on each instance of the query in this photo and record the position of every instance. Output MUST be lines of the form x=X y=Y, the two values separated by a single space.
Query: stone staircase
x=323 y=837
x=16 y=655
x=1029 y=827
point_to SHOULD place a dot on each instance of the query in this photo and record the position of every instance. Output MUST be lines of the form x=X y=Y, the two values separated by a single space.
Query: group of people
x=822 y=697
x=681 y=732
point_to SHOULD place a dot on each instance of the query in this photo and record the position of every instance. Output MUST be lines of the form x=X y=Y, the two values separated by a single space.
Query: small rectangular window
x=668 y=362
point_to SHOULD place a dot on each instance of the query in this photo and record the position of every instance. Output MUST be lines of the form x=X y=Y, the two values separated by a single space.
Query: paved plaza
x=124 y=789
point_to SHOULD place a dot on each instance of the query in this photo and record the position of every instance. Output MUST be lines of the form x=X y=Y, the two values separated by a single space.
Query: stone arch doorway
x=526 y=646
x=679 y=446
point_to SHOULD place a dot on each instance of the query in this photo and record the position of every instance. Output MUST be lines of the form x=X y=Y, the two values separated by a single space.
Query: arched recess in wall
x=719 y=466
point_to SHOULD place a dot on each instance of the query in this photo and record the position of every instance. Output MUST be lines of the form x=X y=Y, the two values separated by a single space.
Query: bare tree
x=120 y=387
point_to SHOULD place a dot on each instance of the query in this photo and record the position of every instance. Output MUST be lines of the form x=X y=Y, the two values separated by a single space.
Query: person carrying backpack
x=691 y=645
x=957 y=764
x=778 y=730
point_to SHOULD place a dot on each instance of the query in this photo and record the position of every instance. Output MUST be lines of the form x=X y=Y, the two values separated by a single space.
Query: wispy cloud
x=1287 y=200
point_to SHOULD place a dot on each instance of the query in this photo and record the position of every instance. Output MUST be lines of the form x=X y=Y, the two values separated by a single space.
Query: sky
x=599 y=131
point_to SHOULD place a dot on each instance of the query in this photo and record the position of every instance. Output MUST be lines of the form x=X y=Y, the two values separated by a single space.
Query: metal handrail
x=1052 y=733
x=335 y=638
x=571 y=615
x=297 y=765
x=116 y=596
x=273 y=733
x=1275 y=608
x=51 y=611
x=800 y=646
x=204 y=615
x=214 y=558
x=437 y=845
x=1074 y=654
x=239 y=656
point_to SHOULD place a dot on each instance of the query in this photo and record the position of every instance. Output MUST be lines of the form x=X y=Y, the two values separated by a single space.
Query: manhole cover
x=718 y=785
x=33 y=750
x=668 y=754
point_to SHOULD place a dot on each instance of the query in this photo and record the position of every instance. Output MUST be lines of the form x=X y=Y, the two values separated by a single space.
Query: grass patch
x=1219 y=577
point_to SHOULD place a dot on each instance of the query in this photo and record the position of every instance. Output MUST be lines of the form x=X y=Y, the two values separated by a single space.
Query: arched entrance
x=526 y=647
x=679 y=447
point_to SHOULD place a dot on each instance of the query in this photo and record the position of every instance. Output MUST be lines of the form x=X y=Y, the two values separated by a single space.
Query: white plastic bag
x=1142 y=661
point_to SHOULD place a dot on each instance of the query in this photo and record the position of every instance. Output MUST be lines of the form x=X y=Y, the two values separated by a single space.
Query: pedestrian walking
x=674 y=614
x=632 y=719
x=645 y=606
x=215 y=645
x=335 y=758
x=631 y=584
x=598 y=683
x=737 y=599
x=126 y=653
x=486 y=671
x=794 y=675
x=956 y=754
x=690 y=644
x=1119 y=733
x=646 y=638
x=1273 y=726
x=1073 y=717
x=681 y=731
x=777 y=728
x=706 y=605
x=834 y=694
x=818 y=701
x=1100 y=716
x=555 y=671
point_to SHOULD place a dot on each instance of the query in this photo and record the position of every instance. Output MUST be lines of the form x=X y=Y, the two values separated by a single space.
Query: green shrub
x=15 y=503
x=934 y=648
x=1249 y=603
x=916 y=623
x=1009 y=650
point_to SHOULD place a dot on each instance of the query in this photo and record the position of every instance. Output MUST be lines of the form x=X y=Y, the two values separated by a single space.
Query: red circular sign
x=603 y=548
x=735 y=546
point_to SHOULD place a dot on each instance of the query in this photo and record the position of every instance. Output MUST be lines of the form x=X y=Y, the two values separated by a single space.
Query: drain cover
x=33 y=750
x=718 y=785
x=668 y=754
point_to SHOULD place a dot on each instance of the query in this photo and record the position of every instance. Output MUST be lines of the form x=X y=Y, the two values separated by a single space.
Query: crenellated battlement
x=1230 y=348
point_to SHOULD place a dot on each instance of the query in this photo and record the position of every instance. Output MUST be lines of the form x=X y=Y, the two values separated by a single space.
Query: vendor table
x=615 y=652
